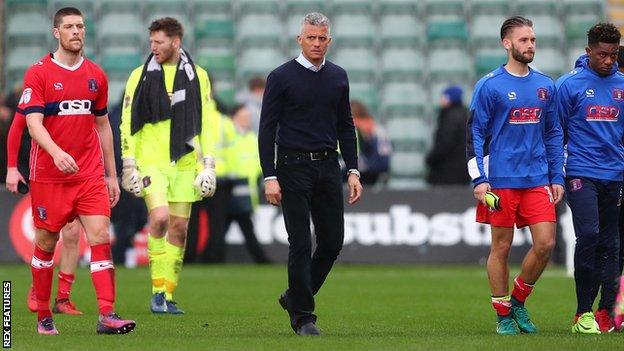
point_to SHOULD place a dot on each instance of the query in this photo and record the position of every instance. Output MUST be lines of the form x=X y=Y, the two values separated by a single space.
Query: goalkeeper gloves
x=130 y=177
x=206 y=180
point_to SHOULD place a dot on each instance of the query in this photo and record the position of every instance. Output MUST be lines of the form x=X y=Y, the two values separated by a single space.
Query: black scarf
x=152 y=104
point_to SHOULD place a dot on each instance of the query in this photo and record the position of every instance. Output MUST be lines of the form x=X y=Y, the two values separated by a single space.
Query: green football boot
x=585 y=324
x=506 y=326
x=520 y=314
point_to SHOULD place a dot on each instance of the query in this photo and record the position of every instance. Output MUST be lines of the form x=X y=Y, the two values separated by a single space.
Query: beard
x=166 y=55
x=69 y=46
x=520 y=57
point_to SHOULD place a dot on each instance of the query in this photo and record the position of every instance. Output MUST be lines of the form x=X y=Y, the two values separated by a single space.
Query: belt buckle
x=313 y=158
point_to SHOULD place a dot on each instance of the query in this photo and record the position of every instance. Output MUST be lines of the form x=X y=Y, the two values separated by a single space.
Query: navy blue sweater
x=306 y=111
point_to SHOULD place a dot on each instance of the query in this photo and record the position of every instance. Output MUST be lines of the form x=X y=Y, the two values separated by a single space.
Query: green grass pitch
x=359 y=308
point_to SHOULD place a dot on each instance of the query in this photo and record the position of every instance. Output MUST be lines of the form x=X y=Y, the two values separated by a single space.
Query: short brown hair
x=171 y=26
x=65 y=11
x=359 y=110
x=513 y=22
x=256 y=83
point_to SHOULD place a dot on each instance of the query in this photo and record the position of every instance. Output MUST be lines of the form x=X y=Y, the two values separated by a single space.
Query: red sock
x=502 y=305
x=65 y=281
x=42 y=268
x=521 y=290
x=103 y=276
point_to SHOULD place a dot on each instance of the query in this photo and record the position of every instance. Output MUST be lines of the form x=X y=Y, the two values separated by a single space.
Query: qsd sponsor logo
x=74 y=107
x=525 y=115
x=602 y=113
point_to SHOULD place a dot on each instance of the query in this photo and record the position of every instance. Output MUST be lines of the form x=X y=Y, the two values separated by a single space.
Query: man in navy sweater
x=515 y=148
x=305 y=111
x=589 y=101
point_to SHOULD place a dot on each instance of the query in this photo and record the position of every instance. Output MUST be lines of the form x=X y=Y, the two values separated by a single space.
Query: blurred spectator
x=212 y=210
x=5 y=122
x=13 y=97
x=244 y=168
x=219 y=104
x=8 y=105
x=447 y=158
x=252 y=99
x=129 y=216
x=374 y=147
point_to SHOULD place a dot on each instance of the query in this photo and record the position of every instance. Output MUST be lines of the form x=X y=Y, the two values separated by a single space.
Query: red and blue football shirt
x=70 y=99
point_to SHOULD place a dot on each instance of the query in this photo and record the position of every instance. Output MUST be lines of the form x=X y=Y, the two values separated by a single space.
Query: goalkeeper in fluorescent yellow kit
x=166 y=151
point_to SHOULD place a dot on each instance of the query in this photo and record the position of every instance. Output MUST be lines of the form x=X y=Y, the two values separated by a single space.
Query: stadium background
x=399 y=55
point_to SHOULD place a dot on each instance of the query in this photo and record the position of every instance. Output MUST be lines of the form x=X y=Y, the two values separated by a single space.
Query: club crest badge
x=42 y=213
x=542 y=94
x=127 y=101
x=576 y=184
x=92 y=85
x=618 y=94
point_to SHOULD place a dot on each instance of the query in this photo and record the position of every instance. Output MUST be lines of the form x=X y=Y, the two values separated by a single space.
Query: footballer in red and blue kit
x=514 y=141
x=590 y=100
x=70 y=98
x=64 y=101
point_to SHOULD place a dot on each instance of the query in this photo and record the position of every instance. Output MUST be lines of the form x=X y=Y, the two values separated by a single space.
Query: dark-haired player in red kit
x=64 y=101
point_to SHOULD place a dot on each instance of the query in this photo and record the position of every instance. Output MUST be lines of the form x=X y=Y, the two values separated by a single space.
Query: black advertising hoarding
x=8 y=204
x=429 y=226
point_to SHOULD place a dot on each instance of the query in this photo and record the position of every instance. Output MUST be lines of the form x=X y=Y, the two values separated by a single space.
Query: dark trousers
x=216 y=207
x=128 y=217
x=247 y=228
x=310 y=188
x=596 y=256
x=621 y=230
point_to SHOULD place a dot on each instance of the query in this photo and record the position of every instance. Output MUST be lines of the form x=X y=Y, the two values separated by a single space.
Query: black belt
x=289 y=157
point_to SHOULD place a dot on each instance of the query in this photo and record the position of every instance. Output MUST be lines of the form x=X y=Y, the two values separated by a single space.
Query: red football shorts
x=56 y=204
x=521 y=207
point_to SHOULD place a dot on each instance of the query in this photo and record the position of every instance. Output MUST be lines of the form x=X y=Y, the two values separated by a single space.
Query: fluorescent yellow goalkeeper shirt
x=150 y=145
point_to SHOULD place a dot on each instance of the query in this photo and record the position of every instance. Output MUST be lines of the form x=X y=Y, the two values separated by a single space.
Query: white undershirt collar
x=69 y=68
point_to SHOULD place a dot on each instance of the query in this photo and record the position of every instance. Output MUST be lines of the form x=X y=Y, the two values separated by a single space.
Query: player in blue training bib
x=515 y=149
x=589 y=101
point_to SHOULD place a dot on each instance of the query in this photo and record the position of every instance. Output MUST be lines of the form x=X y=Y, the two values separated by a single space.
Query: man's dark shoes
x=283 y=300
x=308 y=329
